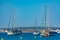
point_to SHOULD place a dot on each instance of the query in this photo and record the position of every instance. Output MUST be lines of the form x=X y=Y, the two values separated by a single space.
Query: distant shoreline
x=32 y=28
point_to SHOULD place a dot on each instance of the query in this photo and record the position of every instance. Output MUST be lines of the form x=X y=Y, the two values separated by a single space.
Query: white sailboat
x=10 y=31
x=45 y=32
x=13 y=31
x=35 y=32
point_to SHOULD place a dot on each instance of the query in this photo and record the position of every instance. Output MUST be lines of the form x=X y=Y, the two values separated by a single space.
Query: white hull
x=57 y=30
x=35 y=33
x=42 y=34
x=10 y=33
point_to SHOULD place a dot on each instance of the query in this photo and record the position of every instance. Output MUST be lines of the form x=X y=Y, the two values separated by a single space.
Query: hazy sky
x=27 y=10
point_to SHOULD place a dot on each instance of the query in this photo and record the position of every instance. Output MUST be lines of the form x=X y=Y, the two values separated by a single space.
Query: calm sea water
x=29 y=36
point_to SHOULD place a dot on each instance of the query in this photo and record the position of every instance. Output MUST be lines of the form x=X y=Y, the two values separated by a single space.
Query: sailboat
x=10 y=31
x=13 y=31
x=35 y=32
x=45 y=32
x=48 y=32
x=51 y=31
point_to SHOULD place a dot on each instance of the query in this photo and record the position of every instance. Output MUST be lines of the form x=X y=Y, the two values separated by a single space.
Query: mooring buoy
x=40 y=36
x=20 y=38
x=34 y=36
x=2 y=38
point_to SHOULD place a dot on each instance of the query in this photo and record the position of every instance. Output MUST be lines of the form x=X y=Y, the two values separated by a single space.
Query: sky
x=27 y=10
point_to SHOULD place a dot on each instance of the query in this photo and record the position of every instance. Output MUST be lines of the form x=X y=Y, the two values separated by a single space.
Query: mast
x=13 y=18
x=10 y=19
x=35 y=22
x=45 y=18
x=48 y=19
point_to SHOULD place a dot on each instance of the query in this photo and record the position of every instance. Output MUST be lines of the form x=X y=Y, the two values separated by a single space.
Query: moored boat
x=35 y=33
x=14 y=32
